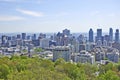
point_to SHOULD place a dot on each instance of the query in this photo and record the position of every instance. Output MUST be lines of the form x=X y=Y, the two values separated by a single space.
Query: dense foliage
x=24 y=68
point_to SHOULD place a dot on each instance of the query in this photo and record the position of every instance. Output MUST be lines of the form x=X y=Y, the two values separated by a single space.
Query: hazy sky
x=56 y=15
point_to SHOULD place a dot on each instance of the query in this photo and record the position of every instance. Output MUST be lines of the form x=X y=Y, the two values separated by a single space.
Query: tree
x=24 y=51
x=4 y=71
x=90 y=71
x=37 y=50
x=47 y=64
x=59 y=61
x=109 y=75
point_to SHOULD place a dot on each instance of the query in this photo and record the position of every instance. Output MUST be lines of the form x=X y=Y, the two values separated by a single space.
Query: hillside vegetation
x=24 y=68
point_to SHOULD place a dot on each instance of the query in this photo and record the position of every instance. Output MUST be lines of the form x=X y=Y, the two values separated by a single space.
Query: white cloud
x=10 y=18
x=31 y=13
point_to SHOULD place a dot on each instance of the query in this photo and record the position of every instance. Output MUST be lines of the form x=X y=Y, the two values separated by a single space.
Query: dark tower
x=111 y=34
x=23 y=36
x=117 y=36
x=91 y=35
x=99 y=35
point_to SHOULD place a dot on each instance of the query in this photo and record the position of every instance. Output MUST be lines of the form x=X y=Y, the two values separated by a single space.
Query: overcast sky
x=56 y=15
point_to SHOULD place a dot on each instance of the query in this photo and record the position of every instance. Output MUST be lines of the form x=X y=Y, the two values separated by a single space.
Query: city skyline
x=54 y=16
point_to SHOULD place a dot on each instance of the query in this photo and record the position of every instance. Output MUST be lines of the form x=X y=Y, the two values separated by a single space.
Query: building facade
x=91 y=35
x=62 y=52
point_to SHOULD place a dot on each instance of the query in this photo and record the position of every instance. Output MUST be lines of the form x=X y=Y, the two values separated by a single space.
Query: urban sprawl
x=97 y=48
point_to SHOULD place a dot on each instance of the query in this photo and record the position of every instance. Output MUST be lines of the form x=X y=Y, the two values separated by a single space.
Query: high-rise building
x=44 y=43
x=89 y=46
x=99 y=34
x=99 y=56
x=106 y=37
x=13 y=38
x=65 y=40
x=117 y=36
x=81 y=39
x=18 y=36
x=113 y=56
x=23 y=36
x=99 y=43
x=9 y=38
x=34 y=37
x=41 y=35
x=66 y=32
x=4 y=39
x=111 y=34
x=36 y=42
x=106 y=40
x=90 y=35
x=28 y=37
x=82 y=47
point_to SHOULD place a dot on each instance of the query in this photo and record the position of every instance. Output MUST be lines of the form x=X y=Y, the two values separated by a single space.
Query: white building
x=75 y=44
x=85 y=58
x=44 y=42
x=62 y=52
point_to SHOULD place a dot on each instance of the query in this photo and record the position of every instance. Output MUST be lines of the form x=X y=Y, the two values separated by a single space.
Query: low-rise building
x=99 y=56
x=113 y=56
x=85 y=58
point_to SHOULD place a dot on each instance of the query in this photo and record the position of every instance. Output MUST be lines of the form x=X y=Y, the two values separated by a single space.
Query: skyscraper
x=81 y=39
x=111 y=34
x=90 y=35
x=99 y=35
x=66 y=32
x=23 y=36
x=44 y=42
x=117 y=36
x=18 y=36
x=34 y=37
x=4 y=39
